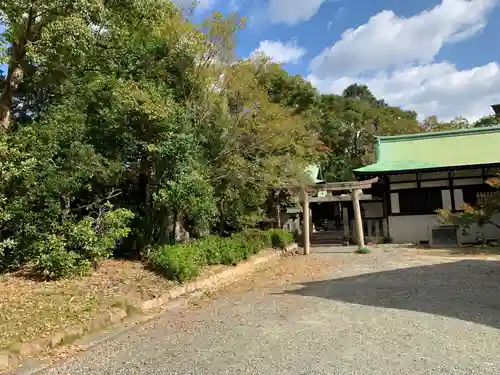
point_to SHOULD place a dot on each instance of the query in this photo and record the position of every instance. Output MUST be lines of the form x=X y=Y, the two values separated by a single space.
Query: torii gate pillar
x=307 y=219
x=357 y=217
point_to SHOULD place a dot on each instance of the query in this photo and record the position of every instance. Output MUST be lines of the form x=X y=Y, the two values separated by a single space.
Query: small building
x=421 y=173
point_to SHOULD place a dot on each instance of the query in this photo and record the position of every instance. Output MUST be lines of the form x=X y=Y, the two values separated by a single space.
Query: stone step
x=327 y=238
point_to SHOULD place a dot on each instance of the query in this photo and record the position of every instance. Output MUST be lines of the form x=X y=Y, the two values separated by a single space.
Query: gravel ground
x=389 y=312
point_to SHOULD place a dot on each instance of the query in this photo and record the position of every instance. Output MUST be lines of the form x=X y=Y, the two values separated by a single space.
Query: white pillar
x=357 y=217
x=306 y=231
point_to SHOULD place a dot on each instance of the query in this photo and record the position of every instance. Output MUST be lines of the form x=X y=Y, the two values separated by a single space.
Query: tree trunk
x=146 y=203
x=221 y=218
x=278 y=209
x=174 y=226
x=14 y=78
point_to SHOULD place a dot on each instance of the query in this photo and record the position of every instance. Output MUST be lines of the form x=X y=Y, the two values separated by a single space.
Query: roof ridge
x=447 y=133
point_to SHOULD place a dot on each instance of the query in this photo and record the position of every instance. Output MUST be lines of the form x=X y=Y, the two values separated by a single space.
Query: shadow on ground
x=484 y=251
x=468 y=290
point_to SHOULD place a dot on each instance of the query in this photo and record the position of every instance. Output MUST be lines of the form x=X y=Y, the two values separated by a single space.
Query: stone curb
x=18 y=352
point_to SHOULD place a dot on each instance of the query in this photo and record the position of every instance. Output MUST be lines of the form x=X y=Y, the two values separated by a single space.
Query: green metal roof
x=439 y=150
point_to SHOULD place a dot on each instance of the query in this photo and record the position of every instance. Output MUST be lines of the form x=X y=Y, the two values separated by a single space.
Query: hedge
x=183 y=262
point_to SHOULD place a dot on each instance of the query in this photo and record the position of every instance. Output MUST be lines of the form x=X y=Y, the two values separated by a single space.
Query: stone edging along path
x=14 y=356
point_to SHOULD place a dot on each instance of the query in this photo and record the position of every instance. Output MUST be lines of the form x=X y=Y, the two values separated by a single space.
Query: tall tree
x=40 y=34
x=129 y=110
x=432 y=124
x=349 y=125
x=363 y=93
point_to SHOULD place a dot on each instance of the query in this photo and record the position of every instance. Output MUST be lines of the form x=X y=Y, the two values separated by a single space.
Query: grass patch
x=363 y=250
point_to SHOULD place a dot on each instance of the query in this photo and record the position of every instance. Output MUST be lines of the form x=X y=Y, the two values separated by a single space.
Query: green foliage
x=258 y=239
x=482 y=214
x=182 y=262
x=54 y=216
x=486 y=121
x=77 y=247
x=280 y=239
x=176 y=262
x=55 y=262
x=432 y=124
x=363 y=250
x=124 y=125
x=348 y=126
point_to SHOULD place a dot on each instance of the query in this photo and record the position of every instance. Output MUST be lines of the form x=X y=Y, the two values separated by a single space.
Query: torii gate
x=355 y=189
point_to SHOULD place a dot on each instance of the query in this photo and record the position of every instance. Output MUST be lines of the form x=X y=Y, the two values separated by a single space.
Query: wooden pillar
x=357 y=217
x=345 y=219
x=377 y=227
x=306 y=232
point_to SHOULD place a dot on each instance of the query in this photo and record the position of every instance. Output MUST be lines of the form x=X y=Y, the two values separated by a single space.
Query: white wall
x=416 y=228
x=406 y=228
x=412 y=229
x=490 y=232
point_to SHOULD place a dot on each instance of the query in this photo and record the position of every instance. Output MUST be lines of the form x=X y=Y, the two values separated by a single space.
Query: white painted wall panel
x=459 y=198
x=490 y=232
x=411 y=229
x=395 y=203
x=446 y=197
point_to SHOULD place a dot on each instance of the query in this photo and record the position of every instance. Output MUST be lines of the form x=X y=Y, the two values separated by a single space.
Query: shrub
x=95 y=238
x=234 y=250
x=175 y=262
x=78 y=246
x=281 y=238
x=183 y=262
x=209 y=250
x=55 y=262
x=256 y=240
x=363 y=250
x=61 y=264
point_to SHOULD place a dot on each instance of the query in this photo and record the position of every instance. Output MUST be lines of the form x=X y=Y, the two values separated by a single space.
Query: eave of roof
x=436 y=151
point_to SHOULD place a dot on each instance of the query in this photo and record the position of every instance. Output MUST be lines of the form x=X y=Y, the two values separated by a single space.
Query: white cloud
x=280 y=52
x=432 y=89
x=200 y=5
x=388 y=40
x=397 y=58
x=293 y=11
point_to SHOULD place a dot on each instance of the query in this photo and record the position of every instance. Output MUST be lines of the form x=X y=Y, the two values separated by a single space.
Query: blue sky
x=437 y=57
